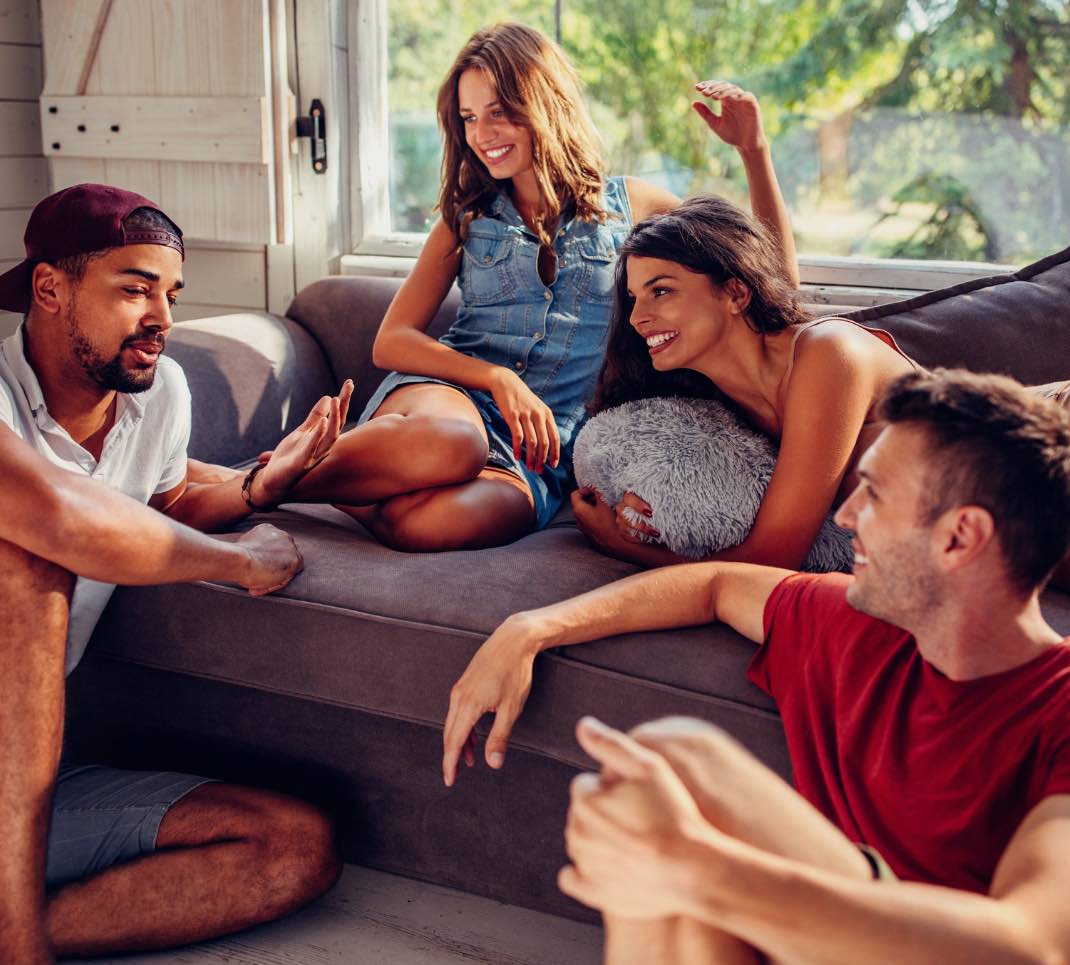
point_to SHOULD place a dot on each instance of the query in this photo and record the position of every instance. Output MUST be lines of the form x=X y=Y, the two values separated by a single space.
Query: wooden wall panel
x=23 y=181
x=20 y=72
x=219 y=129
x=221 y=276
x=208 y=201
x=20 y=22
x=20 y=128
x=12 y=225
x=151 y=51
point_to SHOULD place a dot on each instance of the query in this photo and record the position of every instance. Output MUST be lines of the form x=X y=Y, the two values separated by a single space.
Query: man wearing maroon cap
x=94 y=424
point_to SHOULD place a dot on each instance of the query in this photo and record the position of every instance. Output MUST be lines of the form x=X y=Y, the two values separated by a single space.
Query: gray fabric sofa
x=336 y=688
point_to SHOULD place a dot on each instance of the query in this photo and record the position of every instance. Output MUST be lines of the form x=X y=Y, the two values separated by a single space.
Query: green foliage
x=956 y=112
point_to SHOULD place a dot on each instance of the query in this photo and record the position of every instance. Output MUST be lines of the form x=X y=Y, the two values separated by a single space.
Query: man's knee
x=295 y=851
x=22 y=571
x=36 y=598
x=299 y=840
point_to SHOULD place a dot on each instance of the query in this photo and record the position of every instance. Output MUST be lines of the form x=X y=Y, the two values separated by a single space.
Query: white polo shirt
x=143 y=454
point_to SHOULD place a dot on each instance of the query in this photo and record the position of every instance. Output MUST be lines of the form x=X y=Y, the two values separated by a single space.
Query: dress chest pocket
x=598 y=260
x=488 y=271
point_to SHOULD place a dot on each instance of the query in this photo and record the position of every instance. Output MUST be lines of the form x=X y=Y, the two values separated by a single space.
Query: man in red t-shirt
x=926 y=704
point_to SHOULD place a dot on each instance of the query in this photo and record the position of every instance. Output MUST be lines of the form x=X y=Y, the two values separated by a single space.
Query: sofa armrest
x=253 y=378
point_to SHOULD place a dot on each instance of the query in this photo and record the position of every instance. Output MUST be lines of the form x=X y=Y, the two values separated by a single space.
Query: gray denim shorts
x=102 y=816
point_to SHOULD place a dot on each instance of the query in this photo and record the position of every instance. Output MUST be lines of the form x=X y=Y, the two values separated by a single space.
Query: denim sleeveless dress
x=553 y=337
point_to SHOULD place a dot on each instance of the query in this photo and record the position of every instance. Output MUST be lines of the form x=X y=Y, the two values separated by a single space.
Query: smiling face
x=504 y=148
x=896 y=576
x=117 y=317
x=681 y=314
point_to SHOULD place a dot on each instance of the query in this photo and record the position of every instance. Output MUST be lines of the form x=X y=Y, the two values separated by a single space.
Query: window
x=921 y=129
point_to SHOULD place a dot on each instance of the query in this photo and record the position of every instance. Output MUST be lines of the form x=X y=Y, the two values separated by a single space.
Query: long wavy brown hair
x=540 y=90
x=711 y=236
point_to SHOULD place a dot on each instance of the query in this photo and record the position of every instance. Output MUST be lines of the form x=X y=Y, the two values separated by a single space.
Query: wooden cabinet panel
x=219 y=129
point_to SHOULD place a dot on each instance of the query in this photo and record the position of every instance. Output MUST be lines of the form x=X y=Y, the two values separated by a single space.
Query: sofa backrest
x=253 y=377
x=343 y=314
x=1015 y=324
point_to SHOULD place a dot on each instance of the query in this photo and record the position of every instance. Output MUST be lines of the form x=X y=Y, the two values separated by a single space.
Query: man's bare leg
x=742 y=797
x=494 y=508
x=34 y=607
x=672 y=940
x=229 y=857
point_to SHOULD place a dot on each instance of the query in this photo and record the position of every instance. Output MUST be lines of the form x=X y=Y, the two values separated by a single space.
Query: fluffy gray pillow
x=700 y=468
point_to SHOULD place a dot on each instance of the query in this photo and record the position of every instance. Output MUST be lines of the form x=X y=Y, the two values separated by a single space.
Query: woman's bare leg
x=422 y=436
x=494 y=508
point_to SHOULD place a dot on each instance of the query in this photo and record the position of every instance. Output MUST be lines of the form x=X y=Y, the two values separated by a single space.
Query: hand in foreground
x=274 y=559
x=498 y=680
x=740 y=120
x=631 y=832
x=530 y=421
x=302 y=449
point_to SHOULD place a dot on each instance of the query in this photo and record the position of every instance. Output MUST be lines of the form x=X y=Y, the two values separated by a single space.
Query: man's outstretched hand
x=302 y=449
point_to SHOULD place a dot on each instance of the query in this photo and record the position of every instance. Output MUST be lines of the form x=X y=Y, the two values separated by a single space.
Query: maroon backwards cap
x=83 y=218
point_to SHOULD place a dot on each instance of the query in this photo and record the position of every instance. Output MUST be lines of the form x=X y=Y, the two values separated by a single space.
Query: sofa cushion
x=253 y=377
x=1017 y=324
x=377 y=630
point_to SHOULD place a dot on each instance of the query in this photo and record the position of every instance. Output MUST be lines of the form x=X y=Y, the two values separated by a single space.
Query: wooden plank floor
x=372 y=918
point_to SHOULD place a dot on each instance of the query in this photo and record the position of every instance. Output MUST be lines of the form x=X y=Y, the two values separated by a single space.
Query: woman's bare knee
x=458 y=446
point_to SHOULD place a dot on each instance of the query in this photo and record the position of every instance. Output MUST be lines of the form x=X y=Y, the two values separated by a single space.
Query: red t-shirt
x=935 y=774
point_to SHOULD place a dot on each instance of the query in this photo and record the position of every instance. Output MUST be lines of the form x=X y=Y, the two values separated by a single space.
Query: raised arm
x=498 y=678
x=97 y=532
x=739 y=123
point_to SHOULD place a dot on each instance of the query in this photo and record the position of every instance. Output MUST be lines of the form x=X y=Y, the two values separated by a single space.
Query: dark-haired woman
x=704 y=307
x=469 y=443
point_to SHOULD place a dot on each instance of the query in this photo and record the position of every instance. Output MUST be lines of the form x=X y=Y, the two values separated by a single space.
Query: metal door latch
x=314 y=127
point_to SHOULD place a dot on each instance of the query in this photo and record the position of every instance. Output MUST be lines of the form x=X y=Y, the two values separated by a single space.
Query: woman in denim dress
x=468 y=444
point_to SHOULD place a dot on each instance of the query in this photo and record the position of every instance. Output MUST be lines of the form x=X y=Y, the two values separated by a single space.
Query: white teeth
x=661 y=338
x=497 y=152
x=859 y=558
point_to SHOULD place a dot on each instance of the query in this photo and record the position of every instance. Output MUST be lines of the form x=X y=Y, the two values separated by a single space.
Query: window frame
x=375 y=249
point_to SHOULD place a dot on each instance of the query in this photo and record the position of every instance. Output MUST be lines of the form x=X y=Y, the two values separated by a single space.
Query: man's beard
x=107 y=373
x=903 y=589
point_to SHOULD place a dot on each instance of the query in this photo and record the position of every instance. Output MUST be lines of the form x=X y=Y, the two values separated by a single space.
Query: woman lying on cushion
x=704 y=306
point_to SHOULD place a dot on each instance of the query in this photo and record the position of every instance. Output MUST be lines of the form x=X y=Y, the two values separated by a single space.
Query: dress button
x=547 y=294
x=487 y=259
x=538 y=335
x=519 y=366
x=561 y=233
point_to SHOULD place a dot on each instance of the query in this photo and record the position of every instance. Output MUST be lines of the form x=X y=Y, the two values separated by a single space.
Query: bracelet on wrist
x=247 y=491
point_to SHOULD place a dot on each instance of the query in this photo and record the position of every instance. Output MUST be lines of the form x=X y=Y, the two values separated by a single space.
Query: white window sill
x=827 y=282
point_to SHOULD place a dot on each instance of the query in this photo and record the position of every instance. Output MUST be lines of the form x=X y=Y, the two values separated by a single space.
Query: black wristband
x=247 y=490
